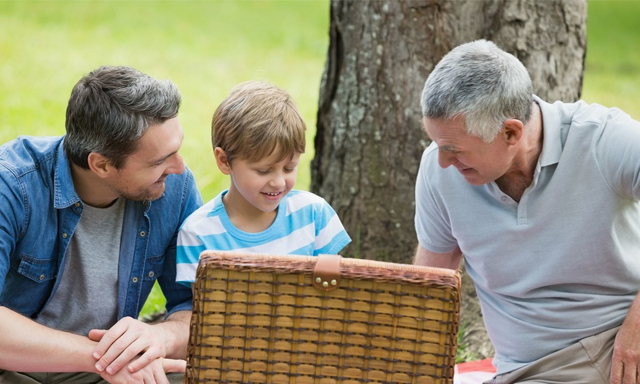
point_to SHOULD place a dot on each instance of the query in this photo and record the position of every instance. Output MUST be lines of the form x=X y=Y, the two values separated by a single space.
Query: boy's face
x=259 y=186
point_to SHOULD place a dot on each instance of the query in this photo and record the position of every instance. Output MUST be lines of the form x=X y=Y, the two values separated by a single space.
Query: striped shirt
x=305 y=225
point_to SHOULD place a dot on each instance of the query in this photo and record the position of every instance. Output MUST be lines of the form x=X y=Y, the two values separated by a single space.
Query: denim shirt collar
x=64 y=191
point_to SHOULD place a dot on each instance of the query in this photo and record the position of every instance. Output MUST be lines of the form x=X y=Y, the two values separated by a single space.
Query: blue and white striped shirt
x=305 y=225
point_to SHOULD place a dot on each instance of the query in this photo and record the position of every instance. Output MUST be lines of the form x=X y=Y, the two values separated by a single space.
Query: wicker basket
x=296 y=319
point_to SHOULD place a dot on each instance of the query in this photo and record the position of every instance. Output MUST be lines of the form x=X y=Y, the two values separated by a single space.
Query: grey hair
x=111 y=108
x=481 y=82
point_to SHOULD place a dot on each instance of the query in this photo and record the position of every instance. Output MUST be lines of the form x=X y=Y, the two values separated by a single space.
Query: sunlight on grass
x=612 y=68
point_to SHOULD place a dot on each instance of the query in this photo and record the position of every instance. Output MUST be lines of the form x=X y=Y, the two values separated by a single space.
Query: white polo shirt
x=563 y=263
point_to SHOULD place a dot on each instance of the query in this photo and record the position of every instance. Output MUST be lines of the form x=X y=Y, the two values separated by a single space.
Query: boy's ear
x=99 y=164
x=222 y=160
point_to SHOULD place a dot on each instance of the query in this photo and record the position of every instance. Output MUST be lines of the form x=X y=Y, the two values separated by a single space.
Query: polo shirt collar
x=551 y=141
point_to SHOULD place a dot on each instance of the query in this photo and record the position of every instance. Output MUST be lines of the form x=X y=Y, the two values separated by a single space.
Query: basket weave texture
x=258 y=319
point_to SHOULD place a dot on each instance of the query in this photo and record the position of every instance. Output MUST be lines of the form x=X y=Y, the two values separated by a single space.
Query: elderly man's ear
x=512 y=131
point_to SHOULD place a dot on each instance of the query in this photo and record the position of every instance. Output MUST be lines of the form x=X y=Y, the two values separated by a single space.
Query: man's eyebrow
x=160 y=160
x=448 y=148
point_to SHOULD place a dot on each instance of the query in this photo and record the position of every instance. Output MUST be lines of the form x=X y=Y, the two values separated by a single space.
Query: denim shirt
x=39 y=211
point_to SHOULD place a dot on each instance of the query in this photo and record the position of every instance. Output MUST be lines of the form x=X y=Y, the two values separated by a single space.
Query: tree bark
x=369 y=139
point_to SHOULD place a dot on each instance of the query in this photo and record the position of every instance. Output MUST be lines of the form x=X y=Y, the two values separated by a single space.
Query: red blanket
x=474 y=372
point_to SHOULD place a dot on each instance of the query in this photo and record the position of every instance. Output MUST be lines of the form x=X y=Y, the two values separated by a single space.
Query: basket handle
x=326 y=274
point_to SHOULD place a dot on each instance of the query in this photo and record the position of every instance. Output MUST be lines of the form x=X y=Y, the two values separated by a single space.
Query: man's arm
x=625 y=361
x=450 y=260
x=26 y=345
x=31 y=347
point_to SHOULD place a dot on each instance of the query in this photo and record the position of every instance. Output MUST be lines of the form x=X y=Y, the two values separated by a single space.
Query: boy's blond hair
x=255 y=119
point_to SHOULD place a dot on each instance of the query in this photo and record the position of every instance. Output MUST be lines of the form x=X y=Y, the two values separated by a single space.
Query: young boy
x=258 y=136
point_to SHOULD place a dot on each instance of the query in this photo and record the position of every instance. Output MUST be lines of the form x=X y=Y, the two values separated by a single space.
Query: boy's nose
x=278 y=181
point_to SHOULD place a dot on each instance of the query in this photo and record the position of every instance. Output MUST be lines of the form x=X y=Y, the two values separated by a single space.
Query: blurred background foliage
x=207 y=47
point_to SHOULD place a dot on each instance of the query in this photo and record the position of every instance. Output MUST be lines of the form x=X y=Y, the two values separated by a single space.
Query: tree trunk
x=369 y=140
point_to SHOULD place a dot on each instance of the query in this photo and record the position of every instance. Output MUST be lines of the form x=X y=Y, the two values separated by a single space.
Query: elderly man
x=542 y=201
x=88 y=224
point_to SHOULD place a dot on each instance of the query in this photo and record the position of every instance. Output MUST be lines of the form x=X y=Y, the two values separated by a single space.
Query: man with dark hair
x=543 y=201
x=88 y=224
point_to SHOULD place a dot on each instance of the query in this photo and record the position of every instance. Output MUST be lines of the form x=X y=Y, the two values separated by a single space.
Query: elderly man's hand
x=625 y=362
x=130 y=342
x=153 y=373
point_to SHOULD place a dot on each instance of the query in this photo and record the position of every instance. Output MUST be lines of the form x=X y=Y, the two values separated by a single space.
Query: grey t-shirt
x=87 y=297
x=564 y=262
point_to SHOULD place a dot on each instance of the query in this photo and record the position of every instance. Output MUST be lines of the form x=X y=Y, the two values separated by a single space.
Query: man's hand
x=625 y=361
x=128 y=341
x=153 y=373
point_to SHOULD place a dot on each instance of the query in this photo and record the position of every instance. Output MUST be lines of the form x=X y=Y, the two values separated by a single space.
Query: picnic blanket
x=473 y=372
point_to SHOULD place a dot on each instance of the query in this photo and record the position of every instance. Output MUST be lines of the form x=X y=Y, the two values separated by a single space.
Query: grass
x=207 y=47
x=463 y=353
x=612 y=69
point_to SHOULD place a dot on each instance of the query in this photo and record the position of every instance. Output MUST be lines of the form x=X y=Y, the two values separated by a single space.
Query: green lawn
x=612 y=73
x=206 y=47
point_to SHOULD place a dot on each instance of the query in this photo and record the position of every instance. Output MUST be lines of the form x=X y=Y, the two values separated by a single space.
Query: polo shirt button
x=143 y=233
x=64 y=235
x=504 y=198
x=135 y=279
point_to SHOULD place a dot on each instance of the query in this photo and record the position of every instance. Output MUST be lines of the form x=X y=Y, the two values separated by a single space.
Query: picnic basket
x=279 y=319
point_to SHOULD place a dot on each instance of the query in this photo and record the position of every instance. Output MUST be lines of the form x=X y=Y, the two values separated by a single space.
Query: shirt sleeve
x=11 y=215
x=618 y=153
x=331 y=236
x=188 y=254
x=431 y=220
x=179 y=297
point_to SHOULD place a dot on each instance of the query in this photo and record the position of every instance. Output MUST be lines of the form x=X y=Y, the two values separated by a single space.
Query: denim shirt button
x=77 y=204
x=41 y=277
x=143 y=233
x=151 y=274
x=64 y=235
x=135 y=279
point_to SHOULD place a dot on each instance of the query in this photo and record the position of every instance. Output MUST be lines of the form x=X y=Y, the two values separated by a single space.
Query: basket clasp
x=326 y=274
